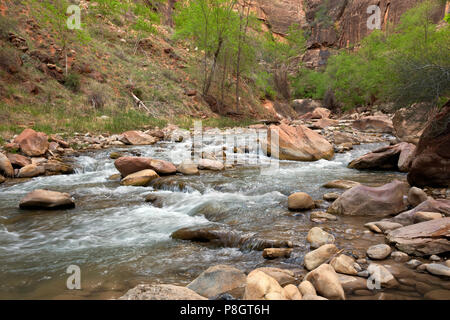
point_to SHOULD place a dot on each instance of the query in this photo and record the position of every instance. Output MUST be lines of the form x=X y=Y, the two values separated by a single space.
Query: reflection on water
x=118 y=240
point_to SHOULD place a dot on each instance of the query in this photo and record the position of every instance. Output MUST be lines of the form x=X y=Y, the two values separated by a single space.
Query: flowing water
x=118 y=240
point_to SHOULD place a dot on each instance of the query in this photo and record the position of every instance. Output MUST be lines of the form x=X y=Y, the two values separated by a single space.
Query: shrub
x=72 y=82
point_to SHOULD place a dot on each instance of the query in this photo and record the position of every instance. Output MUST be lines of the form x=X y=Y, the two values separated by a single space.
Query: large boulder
x=326 y=282
x=32 y=143
x=44 y=199
x=321 y=113
x=319 y=256
x=379 y=124
x=431 y=164
x=138 y=138
x=410 y=122
x=218 y=280
x=297 y=143
x=397 y=157
x=363 y=200
x=430 y=205
x=300 y=201
x=161 y=292
x=129 y=165
x=163 y=167
x=423 y=239
x=261 y=286
x=6 y=167
x=140 y=178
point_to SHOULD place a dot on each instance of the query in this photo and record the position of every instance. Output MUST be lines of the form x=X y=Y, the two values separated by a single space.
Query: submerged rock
x=341 y=184
x=161 y=292
x=363 y=200
x=219 y=280
x=45 y=199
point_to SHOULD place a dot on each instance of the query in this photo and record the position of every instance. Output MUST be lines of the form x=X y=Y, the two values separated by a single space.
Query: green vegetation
x=409 y=64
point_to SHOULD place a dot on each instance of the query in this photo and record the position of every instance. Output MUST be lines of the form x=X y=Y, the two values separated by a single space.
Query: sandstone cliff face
x=330 y=23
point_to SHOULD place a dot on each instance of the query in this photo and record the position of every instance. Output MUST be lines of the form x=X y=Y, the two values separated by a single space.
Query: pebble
x=435 y=258
x=379 y=251
x=438 y=269
x=413 y=263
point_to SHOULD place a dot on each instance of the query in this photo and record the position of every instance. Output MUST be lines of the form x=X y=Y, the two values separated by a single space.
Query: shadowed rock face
x=431 y=165
x=332 y=23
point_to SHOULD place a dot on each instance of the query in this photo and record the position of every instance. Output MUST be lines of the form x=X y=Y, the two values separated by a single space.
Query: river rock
x=188 y=168
x=326 y=282
x=260 y=286
x=426 y=216
x=413 y=263
x=218 y=280
x=161 y=292
x=6 y=167
x=430 y=205
x=213 y=165
x=140 y=179
x=300 y=201
x=431 y=165
x=378 y=124
x=162 y=167
x=386 y=226
x=130 y=165
x=137 y=138
x=399 y=256
x=397 y=157
x=379 y=252
x=331 y=196
x=352 y=283
x=423 y=239
x=438 y=269
x=31 y=171
x=379 y=274
x=32 y=143
x=45 y=199
x=53 y=167
x=273 y=253
x=282 y=276
x=317 y=237
x=364 y=200
x=297 y=143
x=322 y=215
x=319 y=256
x=344 y=264
x=291 y=292
x=17 y=160
x=306 y=288
x=2 y=179
x=416 y=196
x=341 y=184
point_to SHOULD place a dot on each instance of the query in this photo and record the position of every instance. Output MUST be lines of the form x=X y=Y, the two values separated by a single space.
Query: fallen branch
x=139 y=103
